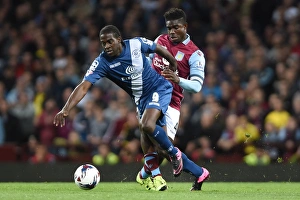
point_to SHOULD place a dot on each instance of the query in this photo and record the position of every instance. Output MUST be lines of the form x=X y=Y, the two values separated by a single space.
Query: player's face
x=176 y=30
x=111 y=45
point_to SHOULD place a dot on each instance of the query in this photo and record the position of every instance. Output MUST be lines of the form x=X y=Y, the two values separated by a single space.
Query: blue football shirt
x=132 y=72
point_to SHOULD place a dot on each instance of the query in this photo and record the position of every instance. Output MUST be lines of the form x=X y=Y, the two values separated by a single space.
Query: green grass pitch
x=133 y=191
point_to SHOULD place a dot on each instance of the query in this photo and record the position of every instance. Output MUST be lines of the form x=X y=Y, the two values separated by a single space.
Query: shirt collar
x=187 y=40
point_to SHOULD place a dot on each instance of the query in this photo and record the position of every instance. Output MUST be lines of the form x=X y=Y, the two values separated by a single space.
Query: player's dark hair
x=110 y=29
x=175 y=14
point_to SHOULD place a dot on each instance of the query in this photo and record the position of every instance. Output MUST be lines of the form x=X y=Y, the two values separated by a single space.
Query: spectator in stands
x=291 y=132
x=75 y=148
x=23 y=85
x=10 y=125
x=42 y=84
x=259 y=157
x=255 y=114
x=279 y=115
x=45 y=131
x=115 y=127
x=211 y=86
x=295 y=110
x=64 y=137
x=246 y=134
x=287 y=87
x=227 y=144
x=98 y=126
x=262 y=71
x=238 y=103
x=203 y=141
x=42 y=155
x=23 y=110
x=59 y=85
x=272 y=141
x=104 y=155
x=82 y=120
x=2 y=113
x=129 y=137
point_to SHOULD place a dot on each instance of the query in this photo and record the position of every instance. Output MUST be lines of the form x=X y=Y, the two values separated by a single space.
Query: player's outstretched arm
x=78 y=93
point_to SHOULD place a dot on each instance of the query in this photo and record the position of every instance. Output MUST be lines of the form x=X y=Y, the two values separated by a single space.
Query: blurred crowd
x=247 y=111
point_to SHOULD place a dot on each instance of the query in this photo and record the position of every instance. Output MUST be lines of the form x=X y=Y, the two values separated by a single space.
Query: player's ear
x=120 y=39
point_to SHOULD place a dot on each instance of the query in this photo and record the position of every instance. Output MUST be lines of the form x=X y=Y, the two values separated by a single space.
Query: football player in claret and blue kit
x=124 y=62
x=189 y=77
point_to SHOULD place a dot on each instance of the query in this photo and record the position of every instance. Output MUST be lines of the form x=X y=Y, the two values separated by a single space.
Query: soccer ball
x=87 y=177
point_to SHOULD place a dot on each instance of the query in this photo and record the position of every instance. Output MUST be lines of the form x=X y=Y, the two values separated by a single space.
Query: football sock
x=161 y=137
x=151 y=166
x=191 y=167
x=145 y=172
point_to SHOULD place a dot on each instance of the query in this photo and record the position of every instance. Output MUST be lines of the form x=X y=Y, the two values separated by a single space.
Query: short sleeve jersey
x=130 y=70
x=190 y=64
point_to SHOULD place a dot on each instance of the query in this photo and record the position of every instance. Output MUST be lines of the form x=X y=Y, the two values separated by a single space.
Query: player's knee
x=147 y=128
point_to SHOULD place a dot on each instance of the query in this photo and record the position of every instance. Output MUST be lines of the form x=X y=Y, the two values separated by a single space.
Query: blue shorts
x=159 y=98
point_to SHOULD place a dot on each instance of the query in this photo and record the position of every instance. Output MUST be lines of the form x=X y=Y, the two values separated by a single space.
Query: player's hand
x=170 y=75
x=59 y=119
x=172 y=67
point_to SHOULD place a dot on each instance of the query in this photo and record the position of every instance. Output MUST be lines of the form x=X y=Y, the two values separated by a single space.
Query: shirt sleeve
x=197 y=75
x=147 y=46
x=151 y=55
x=95 y=71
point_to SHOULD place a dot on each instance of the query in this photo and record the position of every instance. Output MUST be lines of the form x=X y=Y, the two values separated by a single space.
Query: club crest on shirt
x=136 y=53
x=179 y=56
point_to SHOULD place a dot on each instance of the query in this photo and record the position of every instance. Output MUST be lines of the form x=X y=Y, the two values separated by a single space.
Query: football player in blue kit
x=124 y=62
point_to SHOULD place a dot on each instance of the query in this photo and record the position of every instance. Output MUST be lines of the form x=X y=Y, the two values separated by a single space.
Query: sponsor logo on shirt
x=157 y=63
x=165 y=62
x=160 y=63
x=130 y=70
x=133 y=74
